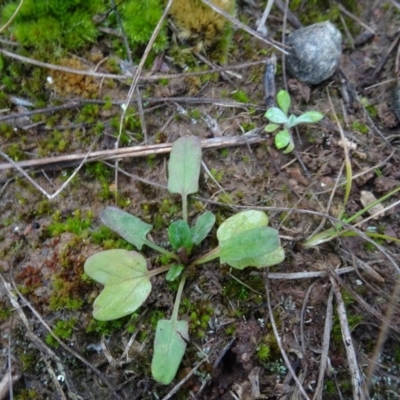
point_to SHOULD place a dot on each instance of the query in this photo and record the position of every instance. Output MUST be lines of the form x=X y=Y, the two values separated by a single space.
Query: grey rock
x=315 y=52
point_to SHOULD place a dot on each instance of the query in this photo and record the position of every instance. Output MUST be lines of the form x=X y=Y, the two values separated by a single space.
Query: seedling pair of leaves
x=279 y=117
x=243 y=240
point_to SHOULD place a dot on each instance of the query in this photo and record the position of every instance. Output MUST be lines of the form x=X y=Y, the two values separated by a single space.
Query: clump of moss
x=67 y=84
x=139 y=18
x=48 y=25
x=203 y=27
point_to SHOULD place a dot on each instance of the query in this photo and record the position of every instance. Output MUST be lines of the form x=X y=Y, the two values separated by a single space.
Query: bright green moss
x=140 y=18
x=47 y=25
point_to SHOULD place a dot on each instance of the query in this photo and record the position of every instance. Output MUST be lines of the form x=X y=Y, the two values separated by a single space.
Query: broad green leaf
x=282 y=139
x=252 y=244
x=174 y=272
x=180 y=235
x=309 y=117
x=184 y=166
x=126 y=282
x=241 y=222
x=276 y=115
x=169 y=349
x=267 y=260
x=203 y=227
x=283 y=100
x=131 y=228
x=271 y=128
x=291 y=122
x=289 y=148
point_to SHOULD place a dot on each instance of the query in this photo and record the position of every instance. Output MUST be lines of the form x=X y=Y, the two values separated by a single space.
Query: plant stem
x=211 y=255
x=178 y=297
x=184 y=208
x=161 y=250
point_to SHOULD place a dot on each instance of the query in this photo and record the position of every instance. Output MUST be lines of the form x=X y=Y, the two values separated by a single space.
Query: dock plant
x=279 y=118
x=244 y=240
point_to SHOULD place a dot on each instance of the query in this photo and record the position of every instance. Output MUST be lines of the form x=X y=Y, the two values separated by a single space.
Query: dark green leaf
x=203 y=227
x=180 y=235
x=174 y=272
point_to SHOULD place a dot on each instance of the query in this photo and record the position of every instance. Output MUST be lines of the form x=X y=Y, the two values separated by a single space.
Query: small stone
x=315 y=52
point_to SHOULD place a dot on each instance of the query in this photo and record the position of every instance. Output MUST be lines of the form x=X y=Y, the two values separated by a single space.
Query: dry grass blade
x=325 y=347
x=355 y=373
x=279 y=341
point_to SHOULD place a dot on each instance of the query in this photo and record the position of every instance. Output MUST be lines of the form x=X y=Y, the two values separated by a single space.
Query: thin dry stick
x=12 y=295
x=278 y=340
x=393 y=305
x=37 y=186
x=325 y=347
x=135 y=80
x=184 y=380
x=265 y=15
x=353 y=17
x=307 y=275
x=302 y=316
x=355 y=374
x=8 y=23
x=240 y=25
x=134 y=151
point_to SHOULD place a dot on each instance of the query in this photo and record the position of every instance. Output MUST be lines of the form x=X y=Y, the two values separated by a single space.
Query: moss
x=139 y=18
x=28 y=394
x=240 y=96
x=63 y=330
x=263 y=352
x=46 y=25
x=359 y=127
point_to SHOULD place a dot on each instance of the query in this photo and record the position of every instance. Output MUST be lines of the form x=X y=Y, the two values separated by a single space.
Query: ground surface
x=44 y=243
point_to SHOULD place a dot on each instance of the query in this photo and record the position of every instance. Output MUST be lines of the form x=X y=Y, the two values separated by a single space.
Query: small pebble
x=315 y=52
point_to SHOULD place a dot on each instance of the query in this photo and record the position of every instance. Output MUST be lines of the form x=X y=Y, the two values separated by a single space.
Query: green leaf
x=169 y=349
x=203 y=227
x=283 y=100
x=271 y=128
x=241 y=222
x=180 y=235
x=174 y=272
x=267 y=260
x=184 y=166
x=126 y=282
x=291 y=122
x=282 y=139
x=235 y=233
x=276 y=115
x=131 y=228
x=250 y=244
x=289 y=148
x=309 y=117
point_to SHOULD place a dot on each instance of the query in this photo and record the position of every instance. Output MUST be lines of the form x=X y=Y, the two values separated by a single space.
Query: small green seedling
x=244 y=240
x=279 y=116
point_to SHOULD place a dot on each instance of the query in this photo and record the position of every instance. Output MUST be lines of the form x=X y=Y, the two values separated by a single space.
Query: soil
x=239 y=321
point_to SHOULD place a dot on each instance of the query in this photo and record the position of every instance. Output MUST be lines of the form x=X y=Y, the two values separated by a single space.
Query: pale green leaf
x=169 y=349
x=126 y=282
x=283 y=100
x=276 y=115
x=271 y=128
x=184 y=166
x=282 y=139
x=309 y=117
x=131 y=228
